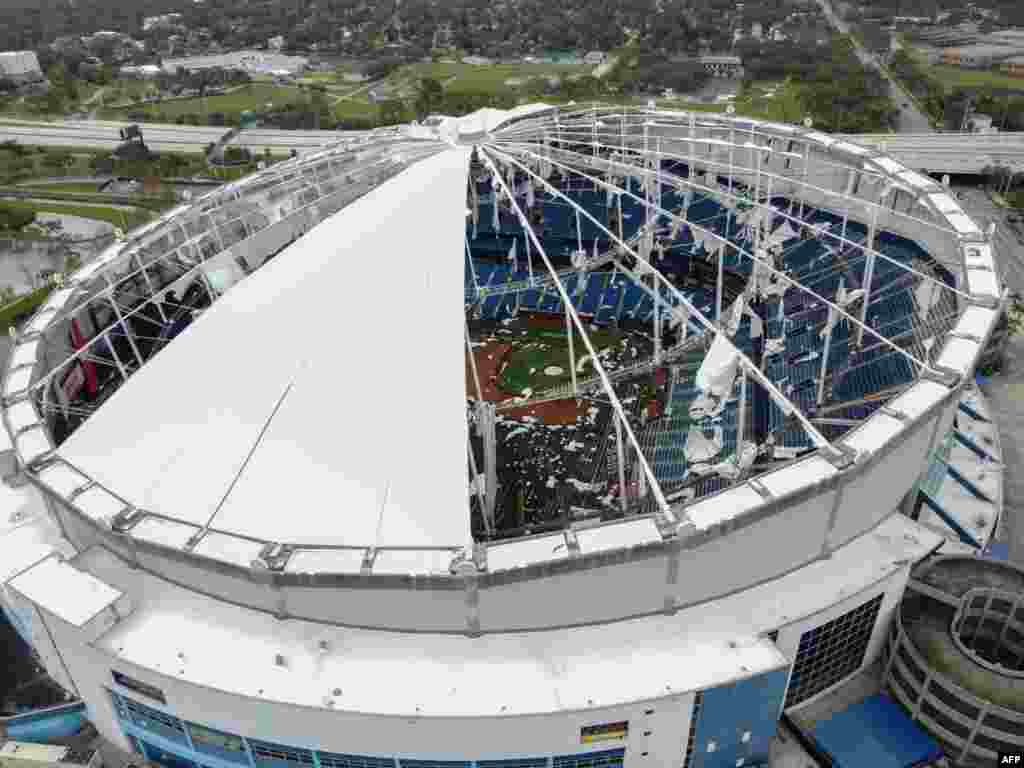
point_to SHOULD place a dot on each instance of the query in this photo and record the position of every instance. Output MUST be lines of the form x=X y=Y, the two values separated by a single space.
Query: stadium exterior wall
x=692 y=569
x=367 y=734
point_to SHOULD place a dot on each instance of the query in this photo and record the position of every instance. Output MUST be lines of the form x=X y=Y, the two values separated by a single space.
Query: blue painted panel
x=43 y=727
x=166 y=758
x=730 y=711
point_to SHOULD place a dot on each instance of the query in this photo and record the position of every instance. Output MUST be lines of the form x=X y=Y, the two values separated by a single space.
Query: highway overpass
x=933 y=152
x=949 y=152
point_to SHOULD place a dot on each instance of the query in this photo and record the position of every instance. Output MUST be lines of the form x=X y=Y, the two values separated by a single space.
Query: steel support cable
x=674 y=181
x=670 y=119
x=788 y=178
x=787 y=406
x=598 y=365
x=725 y=241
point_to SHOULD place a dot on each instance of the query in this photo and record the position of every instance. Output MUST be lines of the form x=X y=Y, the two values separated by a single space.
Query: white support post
x=719 y=284
x=869 y=273
x=529 y=256
x=572 y=353
x=127 y=331
x=742 y=416
x=579 y=232
x=479 y=491
x=622 y=462
x=113 y=353
x=472 y=364
x=824 y=359
x=693 y=142
x=152 y=295
x=619 y=196
x=657 y=324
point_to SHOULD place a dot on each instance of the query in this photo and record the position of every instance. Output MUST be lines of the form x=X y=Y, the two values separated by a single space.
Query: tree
x=392 y=112
x=429 y=97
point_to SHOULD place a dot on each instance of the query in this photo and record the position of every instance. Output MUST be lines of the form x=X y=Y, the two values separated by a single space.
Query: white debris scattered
x=579 y=485
x=526 y=392
x=551 y=481
x=533 y=371
x=573 y=446
x=516 y=433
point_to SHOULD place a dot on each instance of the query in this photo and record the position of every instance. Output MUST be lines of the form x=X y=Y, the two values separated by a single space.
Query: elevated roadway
x=933 y=152
x=949 y=152
x=89 y=134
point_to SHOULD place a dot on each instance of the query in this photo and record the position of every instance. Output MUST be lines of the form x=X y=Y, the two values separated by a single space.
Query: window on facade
x=333 y=760
x=149 y=691
x=406 y=763
x=270 y=755
x=611 y=758
x=604 y=732
x=223 y=745
x=831 y=652
x=515 y=762
x=149 y=719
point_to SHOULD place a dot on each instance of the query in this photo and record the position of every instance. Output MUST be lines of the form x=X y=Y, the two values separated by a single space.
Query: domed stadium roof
x=808 y=297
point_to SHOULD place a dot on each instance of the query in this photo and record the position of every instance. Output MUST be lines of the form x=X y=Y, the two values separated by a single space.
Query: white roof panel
x=963 y=224
x=279 y=392
x=519 y=554
x=919 y=398
x=326 y=561
x=798 y=475
x=68 y=593
x=166 y=532
x=976 y=321
x=33 y=444
x=22 y=414
x=402 y=561
x=24 y=354
x=723 y=506
x=17 y=381
x=983 y=282
x=61 y=478
x=873 y=433
x=631 y=533
x=958 y=354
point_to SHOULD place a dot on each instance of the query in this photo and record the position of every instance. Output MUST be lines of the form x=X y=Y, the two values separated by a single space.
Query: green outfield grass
x=539 y=349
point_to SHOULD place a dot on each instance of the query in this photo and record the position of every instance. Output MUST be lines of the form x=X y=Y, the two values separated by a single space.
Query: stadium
x=561 y=436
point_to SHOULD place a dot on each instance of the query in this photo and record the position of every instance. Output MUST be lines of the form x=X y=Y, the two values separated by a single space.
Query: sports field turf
x=526 y=362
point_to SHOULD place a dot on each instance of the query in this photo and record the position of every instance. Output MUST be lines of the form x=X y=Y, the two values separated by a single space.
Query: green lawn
x=954 y=77
x=354 y=108
x=253 y=97
x=64 y=187
x=467 y=77
x=115 y=216
x=526 y=362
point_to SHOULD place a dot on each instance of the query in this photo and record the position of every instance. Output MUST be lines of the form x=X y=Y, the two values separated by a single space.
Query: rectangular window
x=604 y=732
x=218 y=744
x=409 y=763
x=149 y=719
x=147 y=690
x=514 y=762
x=334 y=760
x=268 y=755
x=831 y=652
x=612 y=758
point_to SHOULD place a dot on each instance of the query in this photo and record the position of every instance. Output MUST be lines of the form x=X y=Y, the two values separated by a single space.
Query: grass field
x=525 y=363
x=954 y=77
x=115 y=216
x=253 y=97
x=467 y=77
x=64 y=187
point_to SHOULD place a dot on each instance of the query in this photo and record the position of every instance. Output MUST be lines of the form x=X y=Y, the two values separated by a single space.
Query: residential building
x=20 y=67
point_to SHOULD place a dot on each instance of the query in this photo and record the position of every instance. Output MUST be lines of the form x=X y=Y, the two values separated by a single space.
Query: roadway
x=911 y=119
x=94 y=134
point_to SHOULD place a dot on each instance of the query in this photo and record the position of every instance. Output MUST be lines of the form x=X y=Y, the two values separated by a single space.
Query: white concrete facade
x=452 y=656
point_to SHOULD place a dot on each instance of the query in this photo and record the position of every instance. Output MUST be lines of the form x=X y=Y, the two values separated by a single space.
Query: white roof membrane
x=322 y=400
